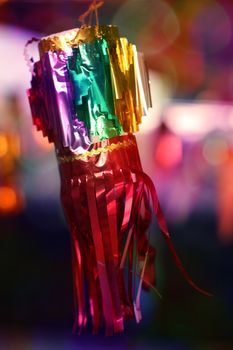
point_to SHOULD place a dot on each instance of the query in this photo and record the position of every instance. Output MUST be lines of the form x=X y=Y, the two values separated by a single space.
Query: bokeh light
x=41 y=141
x=168 y=152
x=154 y=27
x=8 y=200
x=215 y=151
x=3 y=145
x=186 y=147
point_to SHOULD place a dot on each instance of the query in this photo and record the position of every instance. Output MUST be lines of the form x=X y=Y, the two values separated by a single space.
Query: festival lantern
x=89 y=93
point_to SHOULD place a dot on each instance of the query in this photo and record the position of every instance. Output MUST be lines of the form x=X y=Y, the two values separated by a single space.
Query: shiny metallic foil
x=71 y=38
x=88 y=94
x=109 y=78
x=89 y=68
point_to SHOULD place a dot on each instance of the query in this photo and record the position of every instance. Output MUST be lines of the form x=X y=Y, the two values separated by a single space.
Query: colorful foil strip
x=89 y=69
x=51 y=100
x=94 y=85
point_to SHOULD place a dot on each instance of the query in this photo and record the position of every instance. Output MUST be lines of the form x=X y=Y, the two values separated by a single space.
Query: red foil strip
x=108 y=202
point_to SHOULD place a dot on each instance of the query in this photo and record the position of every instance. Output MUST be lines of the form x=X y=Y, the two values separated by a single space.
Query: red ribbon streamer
x=108 y=202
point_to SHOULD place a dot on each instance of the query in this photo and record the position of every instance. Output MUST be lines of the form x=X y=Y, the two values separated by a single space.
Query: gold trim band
x=94 y=152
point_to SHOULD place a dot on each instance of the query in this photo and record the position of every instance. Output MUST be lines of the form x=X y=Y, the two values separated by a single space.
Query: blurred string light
x=8 y=200
x=224 y=201
x=43 y=1
x=211 y=27
x=3 y=145
x=168 y=153
x=42 y=141
x=198 y=140
x=151 y=25
x=215 y=150
x=12 y=42
x=192 y=121
x=11 y=196
x=9 y=145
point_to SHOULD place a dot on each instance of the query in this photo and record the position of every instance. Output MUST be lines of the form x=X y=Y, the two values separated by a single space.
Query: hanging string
x=90 y=18
x=95 y=5
x=96 y=14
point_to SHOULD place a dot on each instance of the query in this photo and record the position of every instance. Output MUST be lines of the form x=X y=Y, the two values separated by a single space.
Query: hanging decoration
x=89 y=92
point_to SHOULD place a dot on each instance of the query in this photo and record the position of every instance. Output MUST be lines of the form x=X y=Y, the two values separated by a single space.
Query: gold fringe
x=94 y=152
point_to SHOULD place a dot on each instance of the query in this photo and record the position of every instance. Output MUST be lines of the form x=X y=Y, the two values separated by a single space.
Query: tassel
x=110 y=202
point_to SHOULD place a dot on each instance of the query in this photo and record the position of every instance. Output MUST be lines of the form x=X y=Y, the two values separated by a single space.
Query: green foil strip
x=89 y=68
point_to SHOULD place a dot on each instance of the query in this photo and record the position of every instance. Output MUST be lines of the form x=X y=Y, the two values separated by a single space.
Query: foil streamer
x=51 y=100
x=114 y=214
x=130 y=84
x=115 y=200
x=88 y=94
x=89 y=68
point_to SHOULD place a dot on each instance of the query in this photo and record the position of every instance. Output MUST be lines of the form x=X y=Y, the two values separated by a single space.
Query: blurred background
x=186 y=147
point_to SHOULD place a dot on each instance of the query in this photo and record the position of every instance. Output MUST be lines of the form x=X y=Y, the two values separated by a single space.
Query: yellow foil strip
x=97 y=151
x=124 y=85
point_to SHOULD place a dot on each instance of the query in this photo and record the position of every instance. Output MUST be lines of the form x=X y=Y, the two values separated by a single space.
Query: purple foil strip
x=37 y=100
x=52 y=103
x=60 y=103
